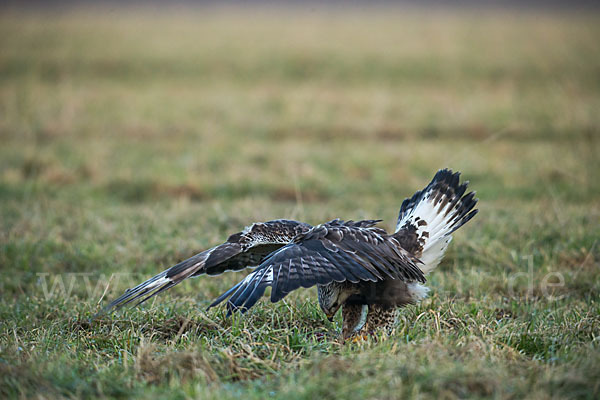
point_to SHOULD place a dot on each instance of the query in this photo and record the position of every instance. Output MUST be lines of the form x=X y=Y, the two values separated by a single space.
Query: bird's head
x=331 y=298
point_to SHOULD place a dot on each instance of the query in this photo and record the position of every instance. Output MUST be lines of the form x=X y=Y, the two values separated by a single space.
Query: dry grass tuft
x=157 y=368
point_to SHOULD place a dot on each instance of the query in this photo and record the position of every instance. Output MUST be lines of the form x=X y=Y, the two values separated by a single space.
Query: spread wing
x=336 y=251
x=243 y=249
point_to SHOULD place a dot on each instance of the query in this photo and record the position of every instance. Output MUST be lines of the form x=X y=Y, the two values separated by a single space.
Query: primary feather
x=352 y=263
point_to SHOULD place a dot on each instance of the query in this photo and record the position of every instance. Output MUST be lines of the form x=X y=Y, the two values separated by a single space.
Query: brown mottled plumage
x=353 y=264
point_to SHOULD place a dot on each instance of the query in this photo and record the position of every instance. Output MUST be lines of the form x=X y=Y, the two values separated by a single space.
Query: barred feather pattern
x=243 y=249
x=337 y=251
x=352 y=262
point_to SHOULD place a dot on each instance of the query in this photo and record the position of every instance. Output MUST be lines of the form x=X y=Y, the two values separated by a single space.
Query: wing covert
x=243 y=249
x=336 y=251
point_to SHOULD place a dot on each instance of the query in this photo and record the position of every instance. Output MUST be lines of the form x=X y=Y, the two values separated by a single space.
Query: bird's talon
x=360 y=338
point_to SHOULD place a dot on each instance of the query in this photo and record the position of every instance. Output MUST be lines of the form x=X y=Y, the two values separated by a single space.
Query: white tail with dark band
x=432 y=214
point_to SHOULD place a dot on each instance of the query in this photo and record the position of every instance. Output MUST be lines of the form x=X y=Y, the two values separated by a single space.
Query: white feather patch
x=417 y=291
x=438 y=221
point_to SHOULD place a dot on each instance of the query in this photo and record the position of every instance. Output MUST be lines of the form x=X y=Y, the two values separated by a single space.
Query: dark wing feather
x=243 y=249
x=336 y=251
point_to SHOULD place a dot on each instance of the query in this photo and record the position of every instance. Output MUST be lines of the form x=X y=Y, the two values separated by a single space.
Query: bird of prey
x=355 y=265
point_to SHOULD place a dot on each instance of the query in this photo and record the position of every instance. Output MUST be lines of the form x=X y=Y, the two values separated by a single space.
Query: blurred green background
x=133 y=138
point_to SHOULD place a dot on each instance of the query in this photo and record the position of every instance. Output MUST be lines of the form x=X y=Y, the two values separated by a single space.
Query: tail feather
x=427 y=220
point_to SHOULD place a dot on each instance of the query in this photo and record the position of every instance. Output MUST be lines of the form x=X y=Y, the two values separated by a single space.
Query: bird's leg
x=378 y=317
x=351 y=316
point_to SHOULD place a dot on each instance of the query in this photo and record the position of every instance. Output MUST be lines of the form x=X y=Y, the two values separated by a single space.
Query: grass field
x=131 y=140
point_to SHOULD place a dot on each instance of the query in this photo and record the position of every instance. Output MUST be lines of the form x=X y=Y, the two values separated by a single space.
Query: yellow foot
x=359 y=338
